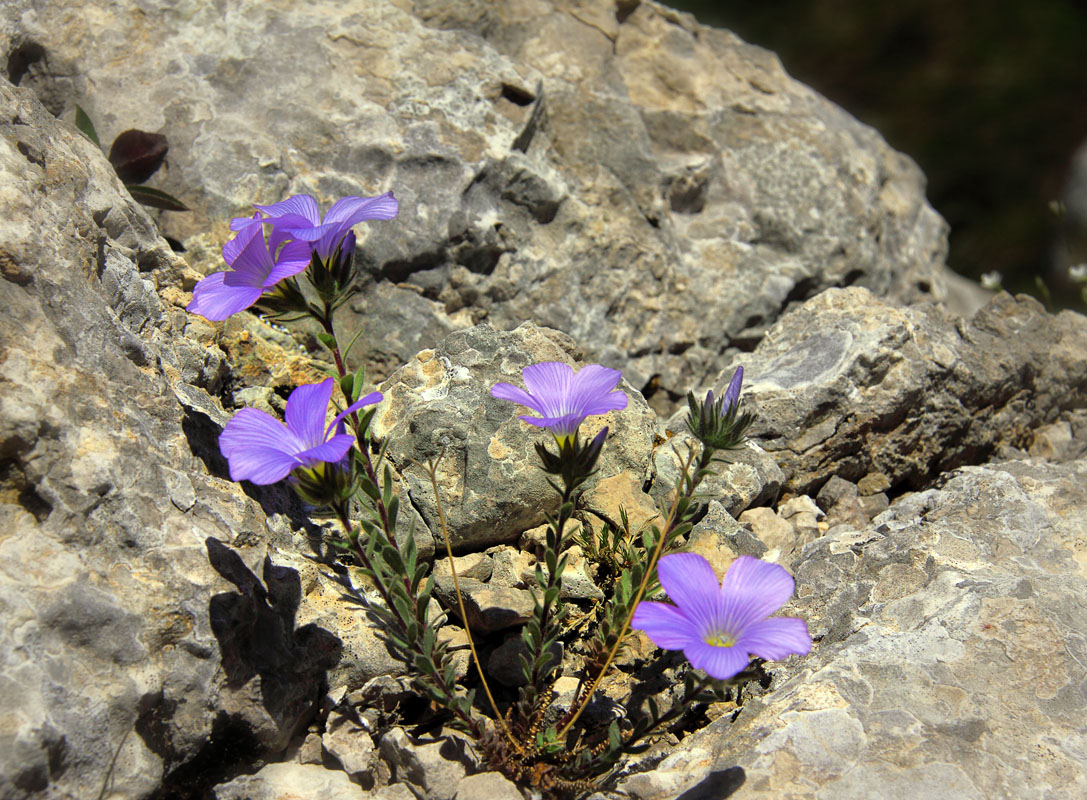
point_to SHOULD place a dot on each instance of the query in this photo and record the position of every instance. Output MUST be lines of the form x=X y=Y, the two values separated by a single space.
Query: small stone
x=777 y=534
x=347 y=739
x=834 y=491
x=874 y=504
x=436 y=766
x=509 y=566
x=289 y=780
x=576 y=583
x=311 y=751
x=489 y=608
x=474 y=565
x=873 y=483
x=1052 y=442
x=798 y=505
x=487 y=786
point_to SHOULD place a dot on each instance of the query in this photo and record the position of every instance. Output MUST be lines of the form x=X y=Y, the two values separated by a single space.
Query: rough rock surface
x=133 y=640
x=848 y=384
x=489 y=477
x=950 y=656
x=615 y=171
x=707 y=166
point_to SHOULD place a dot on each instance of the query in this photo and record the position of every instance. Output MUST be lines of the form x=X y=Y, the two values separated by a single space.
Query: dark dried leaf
x=136 y=155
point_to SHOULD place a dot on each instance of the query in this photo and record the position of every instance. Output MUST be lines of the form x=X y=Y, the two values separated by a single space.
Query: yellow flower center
x=720 y=640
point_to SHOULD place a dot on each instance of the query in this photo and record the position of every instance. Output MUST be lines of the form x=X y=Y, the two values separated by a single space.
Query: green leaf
x=346 y=382
x=328 y=340
x=156 y=198
x=85 y=126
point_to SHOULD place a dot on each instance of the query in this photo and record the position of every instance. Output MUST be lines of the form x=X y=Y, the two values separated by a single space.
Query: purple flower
x=720 y=626
x=261 y=449
x=255 y=266
x=562 y=398
x=300 y=218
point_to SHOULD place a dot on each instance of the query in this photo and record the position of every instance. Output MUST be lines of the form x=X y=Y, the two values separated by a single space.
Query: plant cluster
x=336 y=464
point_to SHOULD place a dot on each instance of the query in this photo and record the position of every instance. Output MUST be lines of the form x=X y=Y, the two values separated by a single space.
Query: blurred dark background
x=988 y=96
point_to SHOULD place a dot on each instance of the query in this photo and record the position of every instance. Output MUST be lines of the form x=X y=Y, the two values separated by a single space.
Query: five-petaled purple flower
x=261 y=449
x=300 y=218
x=255 y=266
x=719 y=626
x=564 y=399
x=297 y=233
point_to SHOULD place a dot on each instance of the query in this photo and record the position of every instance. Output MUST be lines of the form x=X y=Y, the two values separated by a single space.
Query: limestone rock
x=848 y=384
x=601 y=170
x=487 y=786
x=491 y=485
x=436 y=767
x=290 y=781
x=489 y=607
x=961 y=599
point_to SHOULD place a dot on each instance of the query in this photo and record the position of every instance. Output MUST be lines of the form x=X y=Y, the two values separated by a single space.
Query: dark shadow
x=255 y=630
x=718 y=785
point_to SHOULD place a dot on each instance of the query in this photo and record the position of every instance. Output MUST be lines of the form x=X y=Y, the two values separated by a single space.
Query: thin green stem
x=691 y=483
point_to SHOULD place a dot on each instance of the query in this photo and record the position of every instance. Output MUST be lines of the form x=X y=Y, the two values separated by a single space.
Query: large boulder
x=659 y=190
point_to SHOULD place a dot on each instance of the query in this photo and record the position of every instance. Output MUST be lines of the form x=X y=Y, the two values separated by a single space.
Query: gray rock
x=603 y=174
x=477 y=566
x=290 y=781
x=956 y=601
x=491 y=483
x=489 y=607
x=347 y=739
x=487 y=786
x=435 y=766
x=847 y=385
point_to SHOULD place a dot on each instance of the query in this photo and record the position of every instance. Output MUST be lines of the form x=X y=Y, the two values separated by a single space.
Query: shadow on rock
x=718 y=785
x=255 y=630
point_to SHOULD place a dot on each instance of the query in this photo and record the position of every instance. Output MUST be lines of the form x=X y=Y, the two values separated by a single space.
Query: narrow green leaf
x=328 y=340
x=85 y=126
x=346 y=382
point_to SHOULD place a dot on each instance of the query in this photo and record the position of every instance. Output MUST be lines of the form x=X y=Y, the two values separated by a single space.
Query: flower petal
x=293 y=258
x=592 y=391
x=717 y=662
x=257 y=447
x=665 y=625
x=549 y=384
x=692 y=585
x=252 y=264
x=368 y=400
x=751 y=591
x=776 y=638
x=214 y=300
x=302 y=205
x=247 y=228
x=350 y=211
x=333 y=450
x=507 y=391
x=732 y=393
x=307 y=408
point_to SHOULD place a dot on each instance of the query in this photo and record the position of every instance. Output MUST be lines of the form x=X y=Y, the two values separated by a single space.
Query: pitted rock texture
x=848 y=385
x=132 y=639
x=491 y=484
x=657 y=189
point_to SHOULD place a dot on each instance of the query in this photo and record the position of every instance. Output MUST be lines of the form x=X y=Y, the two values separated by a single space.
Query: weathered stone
x=347 y=739
x=489 y=607
x=719 y=538
x=604 y=178
x=491 y=484
x=435 y=766
x=777 y=534
x=847 y=385
x=290 y=781
x=962 y=599
x=611 y=497
x=750 y=477
x=477 y=566
x=487 y=786
x=510 y=565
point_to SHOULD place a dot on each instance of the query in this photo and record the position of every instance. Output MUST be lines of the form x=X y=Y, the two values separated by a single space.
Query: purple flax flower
x=720 y=626
x=300 y=218
x=563 y=398
x=255 y=266
x=261 y=449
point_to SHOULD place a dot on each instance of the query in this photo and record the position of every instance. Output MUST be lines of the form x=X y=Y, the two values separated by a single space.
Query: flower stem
x=432 y=472
x=691 y=483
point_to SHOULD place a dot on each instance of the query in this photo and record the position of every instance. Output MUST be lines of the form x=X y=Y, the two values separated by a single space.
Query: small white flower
x=992 y=280
x=1078 y=273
